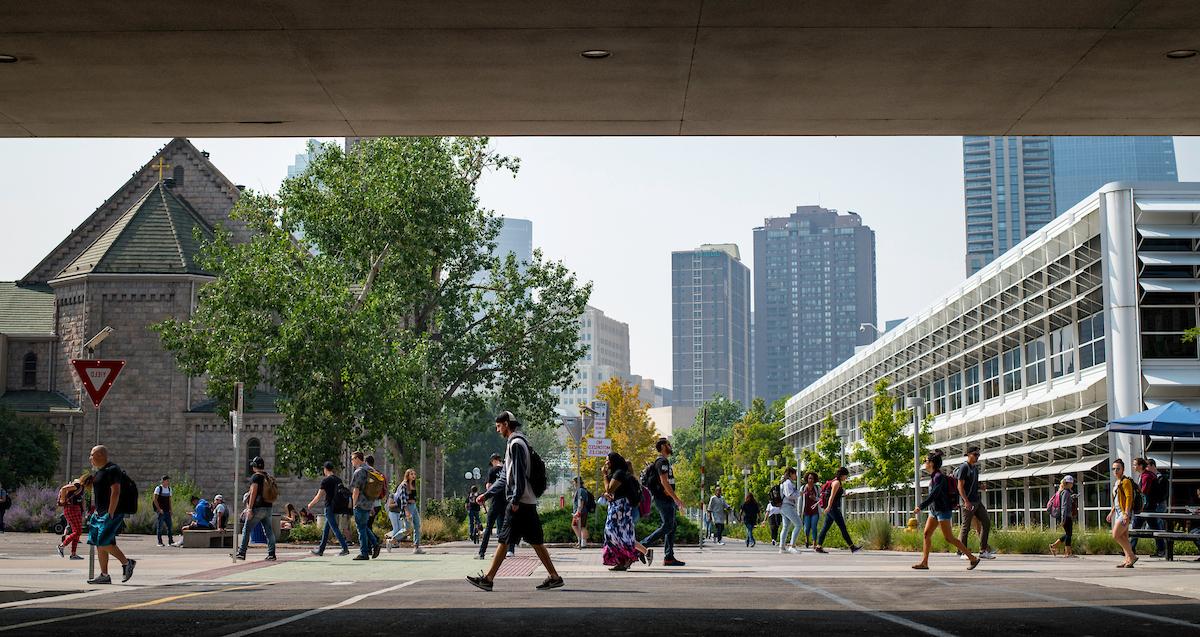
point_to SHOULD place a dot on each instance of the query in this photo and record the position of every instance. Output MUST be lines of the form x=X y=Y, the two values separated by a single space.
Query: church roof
x=26 y=310
x=35 y=402
x=156 y=235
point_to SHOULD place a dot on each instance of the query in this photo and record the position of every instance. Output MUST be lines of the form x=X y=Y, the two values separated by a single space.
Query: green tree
x=721 y=412
x=376 y=324
x=629 y=427
x=827 y=456
x=887 y=451
x=30 y=450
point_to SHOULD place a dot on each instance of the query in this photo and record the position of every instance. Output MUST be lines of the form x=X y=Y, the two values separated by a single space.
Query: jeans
x=473 y=523
x=1157 y=524
x=835 y=516
x=258 y=515
x=810 y=526
x=790 y=516
x=163 y=519
x=366 y=537
x=494 y=517
x=331 y=525
x=666 y=511
x=719 y=530
x=774 y=521
x=415 y=520
x=398 y=526
x=985 y=524
x=750 y=541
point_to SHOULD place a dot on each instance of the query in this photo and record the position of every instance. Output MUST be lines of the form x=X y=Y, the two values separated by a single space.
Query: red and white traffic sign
x=97 y=376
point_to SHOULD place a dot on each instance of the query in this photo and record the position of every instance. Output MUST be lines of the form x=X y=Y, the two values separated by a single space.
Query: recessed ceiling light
x=1179 y=54
x=7 y=59
x=595 y=54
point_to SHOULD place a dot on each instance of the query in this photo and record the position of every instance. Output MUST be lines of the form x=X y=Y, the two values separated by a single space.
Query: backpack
x=589 y=502
x=1054 y=506
x=537 y=469
x=952 y=497
x=644 y=503
x=826 y=493
x=127 y=502
x=375 y=484
x=1160 y=488
x=341 y=500
x=1139 y=498
x=270 y=489
x=633 y=493
x=650 y=479
x=775 y=497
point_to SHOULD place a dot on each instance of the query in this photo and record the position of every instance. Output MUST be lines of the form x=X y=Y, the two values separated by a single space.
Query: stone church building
x=130 y=264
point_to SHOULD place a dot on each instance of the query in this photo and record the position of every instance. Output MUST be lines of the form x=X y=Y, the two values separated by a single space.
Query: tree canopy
x=29 y=453
x=827 y=456
x=367 y=296
x=629 y=427
x=886 y=454
x=721 y=412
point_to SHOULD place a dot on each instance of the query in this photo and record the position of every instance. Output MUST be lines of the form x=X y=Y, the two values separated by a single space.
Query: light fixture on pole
x=771 y=463
x=917 y=405
x=746 y=480
x=96 y=340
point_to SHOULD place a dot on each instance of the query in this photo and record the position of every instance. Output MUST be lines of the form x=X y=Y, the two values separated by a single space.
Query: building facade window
x=253 y=450
x=1035 y=362
x=972 y=380
x=1012 y=370
x=1091 y=341
x=956 y=398
x=29 y=370
x=991 y=377
x=1062 y=351
x=939 y=396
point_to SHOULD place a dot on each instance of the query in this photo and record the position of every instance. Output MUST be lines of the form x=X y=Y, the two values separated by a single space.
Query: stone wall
x=15 y=363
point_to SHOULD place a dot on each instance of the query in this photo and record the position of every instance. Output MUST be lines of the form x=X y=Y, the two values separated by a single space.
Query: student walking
x=361 y=504
x=750 y=518
x=473 y=514
x=406 y=496
x=1062 y=509
x=70 y=498
x=659 y=479
x=718 y=512
x=108 y=483
x=810 y=507
x=774 y=517
x=493 y=490
x=1121 y=515
x=621 y=490
x=261 y=500
x=967 y=475
x=521 y=519
x=5 y=502
x=330 y=486
x=790 y=511
x=1152 y=488
x=940 y=503
x=162 y=510
x=583 y=504
x=833 y=510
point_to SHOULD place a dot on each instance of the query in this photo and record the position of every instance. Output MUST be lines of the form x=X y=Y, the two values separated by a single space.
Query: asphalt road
x=951 y=604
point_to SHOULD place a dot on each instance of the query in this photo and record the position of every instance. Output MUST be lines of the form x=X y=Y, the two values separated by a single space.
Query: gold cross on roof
x=161 y=165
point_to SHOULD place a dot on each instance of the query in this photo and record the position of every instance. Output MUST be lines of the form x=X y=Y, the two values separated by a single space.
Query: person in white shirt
x=790 y=511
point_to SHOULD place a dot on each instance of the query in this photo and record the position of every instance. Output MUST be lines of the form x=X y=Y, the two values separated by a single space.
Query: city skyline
x=612 y=208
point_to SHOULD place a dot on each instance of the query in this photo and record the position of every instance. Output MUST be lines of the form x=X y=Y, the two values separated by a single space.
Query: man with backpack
x=261 y=501
x=362 y=501
x=162 y=510
x=115 y=496
x=967 y=476
x=1152 y=491
x=659 y=478
x=336 y=504
x=524 y=481
x=584 y=504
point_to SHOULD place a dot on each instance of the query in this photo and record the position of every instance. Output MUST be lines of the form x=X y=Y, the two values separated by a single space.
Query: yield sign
x=97 y=376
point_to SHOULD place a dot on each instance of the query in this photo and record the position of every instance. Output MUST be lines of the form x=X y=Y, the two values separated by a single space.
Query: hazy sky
x=612 y=208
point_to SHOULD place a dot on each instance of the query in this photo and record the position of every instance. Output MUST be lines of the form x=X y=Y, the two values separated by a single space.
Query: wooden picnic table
x=1170 y=536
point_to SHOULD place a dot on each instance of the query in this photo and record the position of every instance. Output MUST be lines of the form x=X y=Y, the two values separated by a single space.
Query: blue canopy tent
x=1171 y=419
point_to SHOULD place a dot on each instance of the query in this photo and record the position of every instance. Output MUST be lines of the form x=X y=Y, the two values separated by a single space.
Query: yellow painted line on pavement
x=117 y=609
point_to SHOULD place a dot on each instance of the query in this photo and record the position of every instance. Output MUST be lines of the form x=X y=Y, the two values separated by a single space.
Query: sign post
x=599 y=447
x=600 y=419
x=235 y=427
x=97 y=377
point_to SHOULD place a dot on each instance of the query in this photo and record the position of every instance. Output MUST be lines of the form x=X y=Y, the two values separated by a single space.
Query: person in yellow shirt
x=1121 y=515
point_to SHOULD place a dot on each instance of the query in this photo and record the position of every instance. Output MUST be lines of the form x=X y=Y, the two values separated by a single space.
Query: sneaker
x=75 y=557
x=172 y=543
x=649 y=557
x=344 y=553
x=480 y=582
x=361 y=558
x=418 y=551
x=375 y=551
x=240 y=556
x=856 y=548
x=670 y=561
x=552 y=582
x=974 y=563
x=479 y=557
x=127 y=570
x=269 y=558
x=820 y=550
x=987 y=555
x=160 y=544
x=61 y=552
x=721 y=542
x=317 y=553
x=793 y=550
x=962 y=556
x=102 y=578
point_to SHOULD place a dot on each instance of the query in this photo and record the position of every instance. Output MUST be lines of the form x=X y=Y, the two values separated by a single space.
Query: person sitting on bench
x=201 y=515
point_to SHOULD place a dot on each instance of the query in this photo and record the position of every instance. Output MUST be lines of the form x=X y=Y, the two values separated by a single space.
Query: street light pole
x=915 y=404
x=703 y=460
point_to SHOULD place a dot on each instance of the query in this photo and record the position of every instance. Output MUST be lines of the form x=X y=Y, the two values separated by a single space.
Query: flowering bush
x=34 y=509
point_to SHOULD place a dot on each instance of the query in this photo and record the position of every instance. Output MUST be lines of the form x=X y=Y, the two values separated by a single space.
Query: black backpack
x=589 y=501
x=775 y=497
x=1160 y=488
x=633 y=493
x=537 y=470
x=650 y=479
x=341 y=500
x=127 y=502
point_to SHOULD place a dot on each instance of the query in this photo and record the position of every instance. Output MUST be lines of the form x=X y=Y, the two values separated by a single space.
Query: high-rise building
x=607 y=355
x=710 y=325
x=311 y=150
x=814 y=288
x=516 y=238
x=1015 y=185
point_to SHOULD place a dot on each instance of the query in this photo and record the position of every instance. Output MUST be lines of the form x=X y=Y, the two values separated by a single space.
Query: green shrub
x=556 y=526
x=306 y=533
x=878 y=533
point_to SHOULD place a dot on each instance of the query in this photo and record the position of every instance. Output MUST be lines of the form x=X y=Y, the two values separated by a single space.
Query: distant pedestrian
x=261 y=500
x=1121 y=514
x=940 y=503
x=202 y=516
x=162 y=510
x=70 y=498
x=1152 y=489
x=750 y=518
x=718 y=512
x=659 y=478
x=582 y=504
x=108 y=482
x=833 y=510
x=382 y=489
x=493 y=490
x=473 y=514
x=790 y=511
x=406 y=495
x=521 y=519
x=774 y=517
x=967 y=475
x=220 y=512
x=5 y=503
x=328 y=491
x=1062 y=509
x=810 y=507
x=621 y=488
x=361 y=503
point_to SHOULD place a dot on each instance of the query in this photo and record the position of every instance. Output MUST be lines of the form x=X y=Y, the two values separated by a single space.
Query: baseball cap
x=1068 y=479
x=218 y=497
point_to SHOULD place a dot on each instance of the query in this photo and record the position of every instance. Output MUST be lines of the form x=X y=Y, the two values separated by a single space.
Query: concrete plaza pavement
x=722 y=588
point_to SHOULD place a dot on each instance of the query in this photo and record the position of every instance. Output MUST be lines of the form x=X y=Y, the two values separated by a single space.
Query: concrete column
x=1122 y=340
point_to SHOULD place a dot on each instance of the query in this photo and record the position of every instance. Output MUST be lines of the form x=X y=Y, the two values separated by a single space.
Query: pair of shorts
x=942 y=516
x=522 y=524
x=103 y=528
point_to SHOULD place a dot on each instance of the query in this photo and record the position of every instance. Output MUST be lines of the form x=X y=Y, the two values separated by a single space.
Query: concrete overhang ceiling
x=680 y=67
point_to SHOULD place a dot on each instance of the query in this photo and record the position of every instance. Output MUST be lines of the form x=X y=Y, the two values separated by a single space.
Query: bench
x=1172 y=537
x=207 y=539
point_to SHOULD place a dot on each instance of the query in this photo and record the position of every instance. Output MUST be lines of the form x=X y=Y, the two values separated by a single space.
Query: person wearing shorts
x=941 y=512
x=105 y=523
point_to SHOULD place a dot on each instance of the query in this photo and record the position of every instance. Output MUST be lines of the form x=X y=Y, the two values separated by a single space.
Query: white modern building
x=607 y=342
x=1030 y=357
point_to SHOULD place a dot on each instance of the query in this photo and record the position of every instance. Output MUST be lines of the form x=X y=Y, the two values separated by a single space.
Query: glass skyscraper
x=1015 y=185
x=710 y=325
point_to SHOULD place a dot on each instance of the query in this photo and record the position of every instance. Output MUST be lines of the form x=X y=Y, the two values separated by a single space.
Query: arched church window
x=29 y=370
x=253 y=450
x=177 y=174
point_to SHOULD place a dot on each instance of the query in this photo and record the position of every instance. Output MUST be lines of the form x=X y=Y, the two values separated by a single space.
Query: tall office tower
x=814 y=288
x=516 y=238
x=710 y=325
x=311 y=149
x=607 y=341
x=1015 y=185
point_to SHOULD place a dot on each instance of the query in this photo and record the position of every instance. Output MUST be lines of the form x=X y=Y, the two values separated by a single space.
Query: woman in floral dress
x=619 y=543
